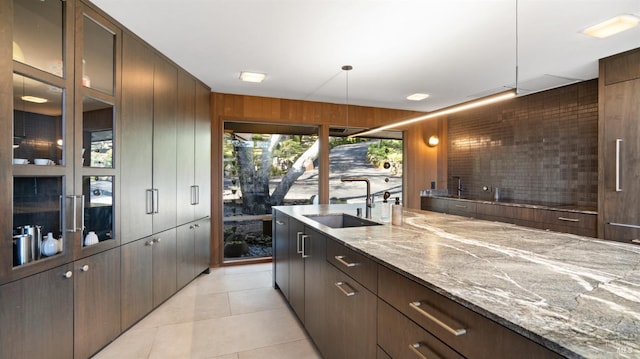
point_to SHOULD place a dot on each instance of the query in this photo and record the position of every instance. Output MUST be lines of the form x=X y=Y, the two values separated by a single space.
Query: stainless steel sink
x=341 y=220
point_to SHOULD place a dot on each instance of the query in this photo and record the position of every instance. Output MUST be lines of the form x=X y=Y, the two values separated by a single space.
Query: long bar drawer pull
x=569 y=219
x=424 y=309
x=460 y=206
x=623 y=225
x=414 y=348
x=345 y=263
x=349 y=293
x=618 y=164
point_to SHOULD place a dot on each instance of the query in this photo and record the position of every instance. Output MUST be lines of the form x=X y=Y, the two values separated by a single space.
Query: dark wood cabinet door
x=185 y=254
x=281 y=252
x=137 y=139
x=350 y=317
x=202 y=245
x=97 y=302
x=164 y=266
x=315 y=265
x=185 y=132
x=296 y=268
x=164 y=143
x=136 y=281
x=36 y=316
x=621 y=188
x=203 y=151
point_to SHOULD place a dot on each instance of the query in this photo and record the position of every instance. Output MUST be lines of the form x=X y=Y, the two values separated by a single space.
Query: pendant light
x=346 y=69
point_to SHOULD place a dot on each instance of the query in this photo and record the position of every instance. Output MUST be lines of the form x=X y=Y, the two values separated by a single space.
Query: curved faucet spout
x=369 y=200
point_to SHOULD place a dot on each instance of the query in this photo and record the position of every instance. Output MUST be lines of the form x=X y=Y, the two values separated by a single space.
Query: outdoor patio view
x=265 y=170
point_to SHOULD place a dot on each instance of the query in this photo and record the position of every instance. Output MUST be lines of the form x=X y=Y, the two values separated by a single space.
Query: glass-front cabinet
x=62 y=173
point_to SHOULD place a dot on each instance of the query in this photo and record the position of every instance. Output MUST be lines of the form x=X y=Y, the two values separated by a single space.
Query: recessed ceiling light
x=417 y=96
x=252 y=76
x=34 y=99
x=612 y=26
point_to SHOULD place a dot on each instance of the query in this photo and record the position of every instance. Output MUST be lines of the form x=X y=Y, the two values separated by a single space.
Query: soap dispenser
x=396 y=213
x=386 y=207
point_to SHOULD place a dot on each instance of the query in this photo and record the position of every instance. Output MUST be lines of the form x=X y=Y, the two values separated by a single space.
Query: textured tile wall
x=540 y=148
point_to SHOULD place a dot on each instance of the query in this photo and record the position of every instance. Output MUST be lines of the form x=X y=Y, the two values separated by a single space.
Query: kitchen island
x=576 y=296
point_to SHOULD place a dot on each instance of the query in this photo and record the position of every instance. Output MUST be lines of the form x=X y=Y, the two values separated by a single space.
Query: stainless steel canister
x=21 y=249
x=35 y=232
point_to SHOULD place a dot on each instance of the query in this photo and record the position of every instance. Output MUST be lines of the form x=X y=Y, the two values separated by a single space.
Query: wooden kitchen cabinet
x=465 y=331
x=296 y=268
x=192 y=250
x=164 y=266
x=619 y=148
x=96 y=302
x=350 y=317
x=36 y=315
x=281 y=252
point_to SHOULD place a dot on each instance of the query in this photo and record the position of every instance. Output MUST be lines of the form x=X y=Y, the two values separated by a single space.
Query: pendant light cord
x=346 y=69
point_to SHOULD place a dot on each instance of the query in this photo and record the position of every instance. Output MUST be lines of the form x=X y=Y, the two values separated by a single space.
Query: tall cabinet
x=93 y=125
x=619 y=156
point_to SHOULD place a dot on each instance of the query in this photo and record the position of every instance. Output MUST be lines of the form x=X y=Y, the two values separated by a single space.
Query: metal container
x=22 y=249
x=35 y=232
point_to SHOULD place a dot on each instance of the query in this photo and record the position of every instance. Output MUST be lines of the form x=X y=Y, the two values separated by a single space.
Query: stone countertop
x=577 y=296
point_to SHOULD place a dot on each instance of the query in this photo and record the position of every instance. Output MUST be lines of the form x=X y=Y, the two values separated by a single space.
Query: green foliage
x=383 y=151
x=339 y=141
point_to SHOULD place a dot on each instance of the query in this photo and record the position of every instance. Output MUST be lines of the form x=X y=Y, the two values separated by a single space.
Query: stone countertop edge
x=576 y=344
x=552 y=207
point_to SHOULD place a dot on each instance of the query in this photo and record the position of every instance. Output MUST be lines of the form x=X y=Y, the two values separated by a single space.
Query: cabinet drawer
x=402 y=338
x=570 y=222
x=355 y=265
x=469 y=333
x=434 y=204
x=462 y=208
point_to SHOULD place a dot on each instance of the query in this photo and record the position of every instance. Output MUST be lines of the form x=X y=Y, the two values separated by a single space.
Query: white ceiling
x=455 y=50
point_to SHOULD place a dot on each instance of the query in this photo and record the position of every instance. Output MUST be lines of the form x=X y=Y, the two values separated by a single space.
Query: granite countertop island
x=577 y=296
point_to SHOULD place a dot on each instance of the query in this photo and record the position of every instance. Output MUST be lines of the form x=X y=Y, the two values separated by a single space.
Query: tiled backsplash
x=538 y=148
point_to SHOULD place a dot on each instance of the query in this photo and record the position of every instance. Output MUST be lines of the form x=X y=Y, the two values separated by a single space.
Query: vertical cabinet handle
x=197 y=194
x=303 y=239
x=349 y=293
x=81 y=214
x=156 y=200
x=149 y=200
x=193 y=195
x=618 y=164
x=298 y=246
x=426 y=311
x=74 y=211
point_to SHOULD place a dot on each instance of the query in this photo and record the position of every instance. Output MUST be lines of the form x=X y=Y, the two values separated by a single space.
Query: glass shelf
x=37 y=122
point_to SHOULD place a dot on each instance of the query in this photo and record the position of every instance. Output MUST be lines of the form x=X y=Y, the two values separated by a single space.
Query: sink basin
x=341 y=220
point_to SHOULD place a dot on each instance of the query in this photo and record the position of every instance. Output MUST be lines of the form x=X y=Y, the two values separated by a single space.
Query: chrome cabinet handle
x=280 y=223
x=149 y=243
x=569 y=219
x=157 y=240
x=418 y=306
x=68 y=274
x=298 y=246
x=303 y=239
x=623 y=225
x=149 y=201
x=460 y=206
x=345 y=263
x=618 y=149
x=85 y=268
x=197 y=194
x=349 y=293
x=156 y=200
x=81 y=214
x=197 y=225
x=414 y=348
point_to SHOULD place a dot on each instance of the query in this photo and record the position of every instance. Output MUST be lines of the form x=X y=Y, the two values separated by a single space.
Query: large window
x=377 y=159
x=264 y=166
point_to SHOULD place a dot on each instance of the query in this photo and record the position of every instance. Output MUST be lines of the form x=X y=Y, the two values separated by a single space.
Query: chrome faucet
x=369 y=202
x=459 y=185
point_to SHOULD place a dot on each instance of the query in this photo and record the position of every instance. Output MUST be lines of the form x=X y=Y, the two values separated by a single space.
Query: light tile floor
x=231 y=313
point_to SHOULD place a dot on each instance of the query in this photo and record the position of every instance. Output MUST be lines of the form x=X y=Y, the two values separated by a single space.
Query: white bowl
x=20 y=161
x=42 y=162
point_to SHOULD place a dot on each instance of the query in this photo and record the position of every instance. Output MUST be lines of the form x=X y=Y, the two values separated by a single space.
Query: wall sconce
x=433 y=141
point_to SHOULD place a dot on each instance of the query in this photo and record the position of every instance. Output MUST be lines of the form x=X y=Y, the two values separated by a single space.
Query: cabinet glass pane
x=37 y=34
x=98 y=209
x=36 y=212
x=98 y=57
x=37 y=122
x=97 y=133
